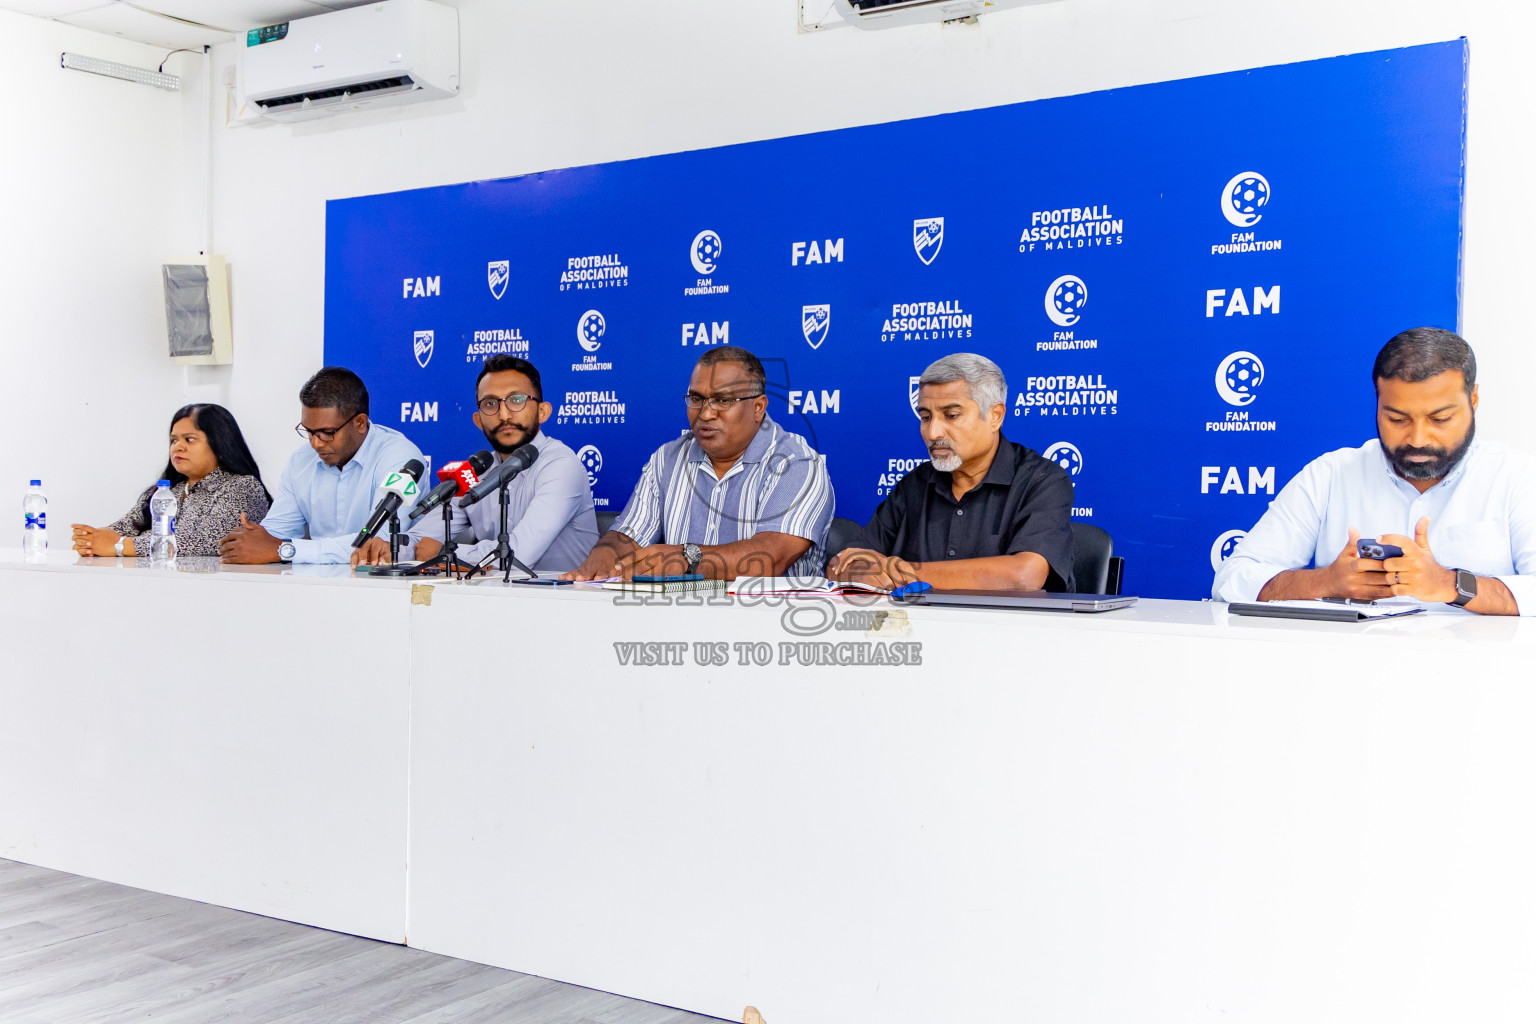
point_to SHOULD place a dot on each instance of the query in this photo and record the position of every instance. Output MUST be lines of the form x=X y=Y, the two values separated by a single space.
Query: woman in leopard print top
x=214 y=478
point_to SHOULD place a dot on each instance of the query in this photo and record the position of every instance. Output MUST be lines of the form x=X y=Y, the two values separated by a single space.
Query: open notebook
x=764 y=585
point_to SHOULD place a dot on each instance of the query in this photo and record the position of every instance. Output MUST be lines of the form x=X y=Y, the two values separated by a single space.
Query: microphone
x=396 y=487
x=457 y=478
x=501 y=475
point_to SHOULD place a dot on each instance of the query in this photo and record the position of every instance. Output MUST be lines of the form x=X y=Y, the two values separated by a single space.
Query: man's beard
x=944 y=458
x=508 y=449
x=1436 y=468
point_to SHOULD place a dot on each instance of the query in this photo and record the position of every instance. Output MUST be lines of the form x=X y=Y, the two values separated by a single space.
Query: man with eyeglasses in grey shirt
x=550 y=520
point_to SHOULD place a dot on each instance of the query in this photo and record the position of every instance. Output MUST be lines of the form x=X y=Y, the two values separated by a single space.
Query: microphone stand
x=394 y=568
x=446 y=556
x=503 y=556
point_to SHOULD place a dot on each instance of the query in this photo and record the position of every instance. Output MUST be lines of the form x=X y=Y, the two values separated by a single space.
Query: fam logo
x=914 y=385
x=603 y=271
x=1065 y=455
x=927 y=321
x=815 y=322
x=704 y=254
x=497 y=274
x=418 y=412
x=1238 y=379
x=804 y=402
x=1244 y=201
x=928 y=238
x=590 y=329
x=1067 y=395
x=830 y=250
x=895 y=469
x=1065 y=299
x=712 y=333
x=1224 y=546
x=1072 y=227
x=423 y=345
x=501 y=341
x=591 y=460
x=1237 y=305
x=421 y=287
x=1260 y=478
x=590 y=408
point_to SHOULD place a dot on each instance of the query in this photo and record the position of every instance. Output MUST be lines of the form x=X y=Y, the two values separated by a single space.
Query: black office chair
x=841 y=534
x=1095 y=568
x=605 y=520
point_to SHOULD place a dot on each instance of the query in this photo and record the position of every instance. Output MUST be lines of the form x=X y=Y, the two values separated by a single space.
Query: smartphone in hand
x=1376 y=551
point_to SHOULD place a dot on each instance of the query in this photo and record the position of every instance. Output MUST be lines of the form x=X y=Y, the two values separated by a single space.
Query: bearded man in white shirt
x=1462 y=509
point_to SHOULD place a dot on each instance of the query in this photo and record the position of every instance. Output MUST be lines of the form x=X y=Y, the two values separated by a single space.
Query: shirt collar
x=540 y=441
x=756 y=451
x=364 y=453
x=1004 y=462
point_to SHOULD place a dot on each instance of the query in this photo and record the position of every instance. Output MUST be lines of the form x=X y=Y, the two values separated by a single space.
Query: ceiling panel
x=130 y=23
x=51 y=8
x=140 y=20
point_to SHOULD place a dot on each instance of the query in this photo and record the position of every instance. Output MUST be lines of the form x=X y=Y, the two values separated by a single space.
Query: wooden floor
x=76 y=951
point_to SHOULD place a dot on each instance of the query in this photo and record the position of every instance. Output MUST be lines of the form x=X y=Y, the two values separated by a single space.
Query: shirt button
x=951 y=553
x=959 y=511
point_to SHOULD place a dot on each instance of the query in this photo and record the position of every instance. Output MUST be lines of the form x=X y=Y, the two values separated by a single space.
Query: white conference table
x=1164 y=813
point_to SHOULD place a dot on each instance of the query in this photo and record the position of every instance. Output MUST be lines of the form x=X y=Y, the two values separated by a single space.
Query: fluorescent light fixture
x=112 y=69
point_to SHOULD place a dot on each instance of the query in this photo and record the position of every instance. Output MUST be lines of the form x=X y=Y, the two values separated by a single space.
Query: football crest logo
x=928 y=238
x=815 y=322
x=496 y=274
x=912 y=389
x=423 y=348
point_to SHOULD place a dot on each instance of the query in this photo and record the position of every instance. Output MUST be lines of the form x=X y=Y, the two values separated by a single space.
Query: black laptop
x=1025 y=600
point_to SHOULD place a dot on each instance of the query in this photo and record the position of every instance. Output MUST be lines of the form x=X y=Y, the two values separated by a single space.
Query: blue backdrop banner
x=1185 y=284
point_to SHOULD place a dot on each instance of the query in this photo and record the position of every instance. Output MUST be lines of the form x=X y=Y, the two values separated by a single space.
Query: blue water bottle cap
x=35 y=483
x=165 y=483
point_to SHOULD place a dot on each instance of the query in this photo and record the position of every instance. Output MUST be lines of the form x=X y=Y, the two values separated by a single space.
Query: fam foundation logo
x=1066 y=455
x=928 y=238
x=497 y=274
x=590 y=408
x=1238 y=379
x=1244 y=202
x=927 y=321
x=1067 y=395
x=704 y=254
x=500 y=341
x=815 y=322
x=582 y=273
x=591 y=459
x=1072 y=227
x=422 y=345
x=894 y=470
x=1225 y=545
x=1065 y=299
x=590 y=329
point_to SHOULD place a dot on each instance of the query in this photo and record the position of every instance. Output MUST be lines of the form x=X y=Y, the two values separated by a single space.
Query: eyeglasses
x=717 y=402
x=326 y=435
x=514 y=403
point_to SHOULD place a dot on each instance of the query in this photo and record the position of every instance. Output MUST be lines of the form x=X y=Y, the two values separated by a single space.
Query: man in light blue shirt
x=550 y=522
x=1463 y=510
x=328 y=488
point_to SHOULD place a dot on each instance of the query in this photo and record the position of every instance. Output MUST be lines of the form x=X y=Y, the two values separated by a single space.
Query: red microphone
x=457 y=478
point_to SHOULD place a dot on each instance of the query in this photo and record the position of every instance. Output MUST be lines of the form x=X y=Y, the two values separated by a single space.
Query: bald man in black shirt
x=984 y=514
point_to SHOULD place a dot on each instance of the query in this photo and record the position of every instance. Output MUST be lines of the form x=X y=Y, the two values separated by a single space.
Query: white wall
x=558 y=84
x=99 y=184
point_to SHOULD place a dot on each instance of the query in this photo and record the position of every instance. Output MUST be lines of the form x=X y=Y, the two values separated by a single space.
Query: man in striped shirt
x=734 y=496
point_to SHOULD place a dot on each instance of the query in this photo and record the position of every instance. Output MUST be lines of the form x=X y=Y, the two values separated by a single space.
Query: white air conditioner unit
x=384 y=54
x=891 y=13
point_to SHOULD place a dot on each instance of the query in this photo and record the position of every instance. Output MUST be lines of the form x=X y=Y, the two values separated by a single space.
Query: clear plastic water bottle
x=34 y=504
x=162 y=512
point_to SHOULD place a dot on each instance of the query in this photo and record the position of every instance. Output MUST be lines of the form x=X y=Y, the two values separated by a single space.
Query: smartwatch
x=1466 y=587
x=118 y=547
x=286 y=551
x=694 y=554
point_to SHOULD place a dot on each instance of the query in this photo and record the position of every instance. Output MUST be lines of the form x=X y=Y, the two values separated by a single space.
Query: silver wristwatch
x=286 y=551
x=118 y=547
x=694 y=554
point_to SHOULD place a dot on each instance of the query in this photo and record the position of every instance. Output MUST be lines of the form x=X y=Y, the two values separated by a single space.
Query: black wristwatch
x=1466 y=587
x=694 y=554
